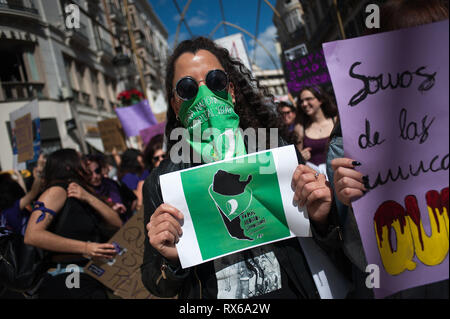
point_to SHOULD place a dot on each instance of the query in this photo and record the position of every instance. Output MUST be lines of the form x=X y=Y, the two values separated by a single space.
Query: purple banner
x=308 y=70
x=136 y=117
x=393 y=99
x=147 y=133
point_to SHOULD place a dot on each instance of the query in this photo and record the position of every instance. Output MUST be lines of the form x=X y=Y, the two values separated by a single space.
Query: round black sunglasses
x=187 y=88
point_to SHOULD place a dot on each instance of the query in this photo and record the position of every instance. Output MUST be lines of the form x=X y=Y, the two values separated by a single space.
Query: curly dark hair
x=255 y=108
x=328 y=107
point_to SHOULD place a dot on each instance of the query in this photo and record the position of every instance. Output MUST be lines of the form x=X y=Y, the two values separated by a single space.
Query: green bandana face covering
x=213 y=126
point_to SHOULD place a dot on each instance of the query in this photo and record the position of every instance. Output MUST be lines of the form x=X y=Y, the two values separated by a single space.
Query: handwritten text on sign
x=309 y=70
x=122 y=274
x=393 y=104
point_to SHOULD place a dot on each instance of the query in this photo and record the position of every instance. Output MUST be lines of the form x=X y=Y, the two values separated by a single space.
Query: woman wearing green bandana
x=213 y=96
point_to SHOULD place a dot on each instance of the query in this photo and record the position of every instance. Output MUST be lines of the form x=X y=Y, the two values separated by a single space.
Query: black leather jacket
x=186 y=283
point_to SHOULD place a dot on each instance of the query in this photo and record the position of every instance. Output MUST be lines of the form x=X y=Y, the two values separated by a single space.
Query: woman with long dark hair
x=203 y=82
x=316 y=118
x=67 y=221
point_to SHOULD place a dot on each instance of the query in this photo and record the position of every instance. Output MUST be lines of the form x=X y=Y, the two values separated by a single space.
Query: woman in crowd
x=119 y=197
x=15 y=208
x=154 y=153
x=316 y=117
x=66 y=221
x=132 y=172
x=288 y=113
x=102 y=185
x=15 y=203
x=200 y=70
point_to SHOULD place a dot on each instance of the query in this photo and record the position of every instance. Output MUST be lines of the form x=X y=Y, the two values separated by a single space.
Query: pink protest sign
x=393 y=99
x=147 y=133
x=136 y=117
x=308 y=70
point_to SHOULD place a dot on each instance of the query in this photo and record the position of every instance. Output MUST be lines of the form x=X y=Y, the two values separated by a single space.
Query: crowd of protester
x=73 y=203
x=72 y=206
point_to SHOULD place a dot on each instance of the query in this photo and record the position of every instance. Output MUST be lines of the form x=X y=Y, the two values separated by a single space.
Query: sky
x=203 y=16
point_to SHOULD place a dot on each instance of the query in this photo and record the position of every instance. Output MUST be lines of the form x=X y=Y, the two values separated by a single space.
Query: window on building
x=20 y=75
x=133 y=19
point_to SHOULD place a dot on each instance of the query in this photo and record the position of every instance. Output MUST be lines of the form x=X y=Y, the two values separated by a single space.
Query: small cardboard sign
x=122 y=274
x=24 y=138
x=112 y=135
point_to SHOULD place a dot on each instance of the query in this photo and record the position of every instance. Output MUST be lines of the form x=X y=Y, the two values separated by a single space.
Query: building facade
x=64 y=57
x=291 y=36
x=322 y=24
x=271 y=80
x=150 y=40
x=289 y=23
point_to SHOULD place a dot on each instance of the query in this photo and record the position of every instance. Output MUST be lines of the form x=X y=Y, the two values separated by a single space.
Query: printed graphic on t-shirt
x=242 y=279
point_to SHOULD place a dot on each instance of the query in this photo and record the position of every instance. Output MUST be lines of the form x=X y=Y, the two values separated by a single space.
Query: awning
x=17 y=35
x=96 y=143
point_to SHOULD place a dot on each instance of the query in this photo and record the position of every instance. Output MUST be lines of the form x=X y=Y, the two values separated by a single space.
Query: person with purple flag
x=350 y=184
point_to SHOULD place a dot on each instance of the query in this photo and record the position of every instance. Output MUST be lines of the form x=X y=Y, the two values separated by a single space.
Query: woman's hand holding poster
x=393 y=99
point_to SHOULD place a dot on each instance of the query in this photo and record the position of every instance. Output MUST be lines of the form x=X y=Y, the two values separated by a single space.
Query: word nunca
x=411 y=238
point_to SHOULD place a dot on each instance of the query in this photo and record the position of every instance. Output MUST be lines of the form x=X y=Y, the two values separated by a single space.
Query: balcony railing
x=101 y=104
x=81 y=98
x=21 y=90
x=25 y=6
x=79 y=35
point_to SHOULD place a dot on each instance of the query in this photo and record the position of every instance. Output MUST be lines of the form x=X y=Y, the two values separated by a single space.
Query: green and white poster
x=235 y=204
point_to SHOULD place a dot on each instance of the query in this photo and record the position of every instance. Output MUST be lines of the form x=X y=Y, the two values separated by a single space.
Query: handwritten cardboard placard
x=393 y=102
x=23 y=132
x=122 y=275
x=26 y=136
x=308 y=70
x=112 y=135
